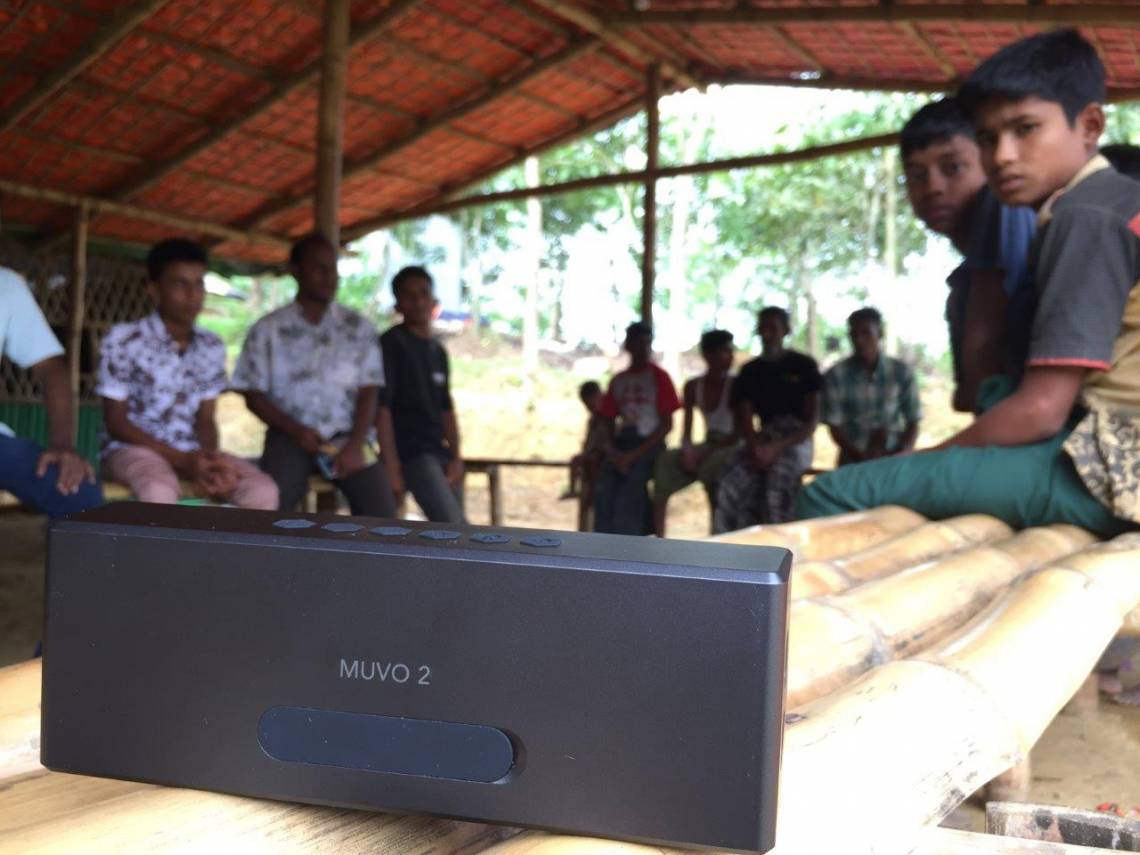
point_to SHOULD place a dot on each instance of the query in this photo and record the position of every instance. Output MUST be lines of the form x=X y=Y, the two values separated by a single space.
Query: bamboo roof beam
x=103 y=40
x=100 y=205
x=930 y=49
x=639 y=176
x=1077 y=14
x=286 y=87
x=583 y=126
x=442 y=119
x=591 y=23
x=826 y=80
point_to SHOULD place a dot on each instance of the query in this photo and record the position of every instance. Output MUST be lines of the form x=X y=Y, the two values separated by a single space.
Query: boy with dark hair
x=870 y=400
x=638 y=408
x=760 y=481
x=677 y=468
x=160 y=378
x=585 y=464
x=990 y=304
x=311 y=371
x=1065 y=446
x=55 y=480
x=419 y=433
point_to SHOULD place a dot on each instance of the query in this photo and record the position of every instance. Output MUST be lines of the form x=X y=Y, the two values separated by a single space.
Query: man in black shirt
x=781 y=386
x=419 y=434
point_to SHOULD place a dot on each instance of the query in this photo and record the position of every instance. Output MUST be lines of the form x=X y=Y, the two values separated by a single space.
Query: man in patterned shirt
x=312 y=372
x=870 y=400
x=160 y=378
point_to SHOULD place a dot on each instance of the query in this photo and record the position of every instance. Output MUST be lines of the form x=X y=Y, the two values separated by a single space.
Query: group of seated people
x=758 y=425
x=1044 y=319
x=1043 y=313
x=318 y=374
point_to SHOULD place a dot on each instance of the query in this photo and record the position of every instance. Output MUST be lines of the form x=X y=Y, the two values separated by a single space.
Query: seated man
x=160 y=378
x=990 y=304
x=419 y=432
x=760 y=481
x=638 y=407
x=311 y=371
x=55 y=481
x=870 y=400
x=1065 y=446
x=678 y=468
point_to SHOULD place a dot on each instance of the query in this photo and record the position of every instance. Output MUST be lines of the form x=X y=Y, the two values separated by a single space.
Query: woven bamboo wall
x=115 y=293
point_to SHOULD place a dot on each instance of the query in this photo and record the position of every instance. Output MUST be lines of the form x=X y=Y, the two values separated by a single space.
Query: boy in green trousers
x=1065 y=445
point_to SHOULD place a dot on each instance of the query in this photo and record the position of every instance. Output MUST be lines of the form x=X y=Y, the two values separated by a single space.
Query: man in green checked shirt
x=870 y=401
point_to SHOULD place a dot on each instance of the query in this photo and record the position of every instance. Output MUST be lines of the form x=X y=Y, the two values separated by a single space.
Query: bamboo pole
x=77 y=309
x=99 y=205
x=330 y=123
x=830 y=537
x=78 y=60
x=834 y=639
x=922 y=543
x=649 y=216
x=922 y=734
x=640 y=175
x=19 y=719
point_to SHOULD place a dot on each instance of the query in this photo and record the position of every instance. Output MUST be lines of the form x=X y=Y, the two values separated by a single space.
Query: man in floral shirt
x=160 y=378
x=312 y=372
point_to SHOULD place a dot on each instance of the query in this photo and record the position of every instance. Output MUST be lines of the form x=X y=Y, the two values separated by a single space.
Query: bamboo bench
x=909 y=692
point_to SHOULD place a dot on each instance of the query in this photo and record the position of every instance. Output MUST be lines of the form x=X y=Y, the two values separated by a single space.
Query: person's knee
x=260 y=493
x=158 y=490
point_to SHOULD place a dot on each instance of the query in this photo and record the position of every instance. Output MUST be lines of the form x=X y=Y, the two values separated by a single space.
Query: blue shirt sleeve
x=999 y=240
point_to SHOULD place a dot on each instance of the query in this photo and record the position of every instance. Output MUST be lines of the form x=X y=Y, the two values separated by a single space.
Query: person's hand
x=309 y=440
x=73 y=469
x=690 y=459
x=624 y=461
x=763 y=456
x=454 y=471
x=349 y=460
x=396 y=482
x=213 y=474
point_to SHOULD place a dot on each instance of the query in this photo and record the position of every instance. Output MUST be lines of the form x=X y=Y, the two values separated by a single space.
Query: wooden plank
x=1063 y=825
x=330 y=120
x=948 y=841
x=105 y=38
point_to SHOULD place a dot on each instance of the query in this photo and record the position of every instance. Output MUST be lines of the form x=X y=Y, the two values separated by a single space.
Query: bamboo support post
x=77 y=308
x=923 y=543
x=834 y=639
x=649 y=217
x=330 y=125
x=830 y=537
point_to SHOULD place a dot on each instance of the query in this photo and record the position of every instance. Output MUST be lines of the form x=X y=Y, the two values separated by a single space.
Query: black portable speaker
x=593 y=684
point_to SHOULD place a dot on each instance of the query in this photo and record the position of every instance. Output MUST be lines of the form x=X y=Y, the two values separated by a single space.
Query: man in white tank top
x=679 y=467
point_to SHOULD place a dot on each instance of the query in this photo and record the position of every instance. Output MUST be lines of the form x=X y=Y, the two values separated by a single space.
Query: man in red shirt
x=638 y=408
